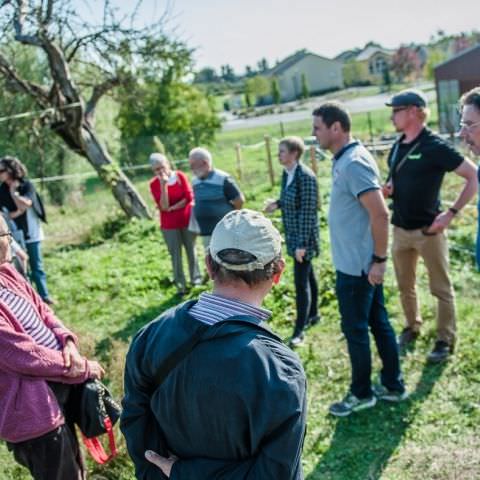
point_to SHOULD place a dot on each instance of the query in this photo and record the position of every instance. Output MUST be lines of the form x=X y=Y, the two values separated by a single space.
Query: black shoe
x=441 y=351
x=407 y=338
x=312 y=321
x=296 y=340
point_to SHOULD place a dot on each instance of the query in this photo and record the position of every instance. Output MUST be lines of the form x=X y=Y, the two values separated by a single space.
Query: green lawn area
x=111 y=277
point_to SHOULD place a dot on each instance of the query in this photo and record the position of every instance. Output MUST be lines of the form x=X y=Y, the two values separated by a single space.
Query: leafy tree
x=206 y=75
x=248 y=99
x=304 y=92
x=85 y=62
x=259 y=87
x=262 y=65
x=387 y=78
x=405 y=63
x=178 y=114
x=228 y=74
x=275 y=91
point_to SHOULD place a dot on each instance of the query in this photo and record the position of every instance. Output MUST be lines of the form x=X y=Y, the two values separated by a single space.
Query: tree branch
x=98 y=92
x=39 y=93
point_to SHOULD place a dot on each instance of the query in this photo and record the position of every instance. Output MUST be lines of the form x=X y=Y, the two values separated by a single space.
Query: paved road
x=361 y=104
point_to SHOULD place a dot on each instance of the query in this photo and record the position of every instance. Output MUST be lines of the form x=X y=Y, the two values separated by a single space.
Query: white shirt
x=35 y=231
x=291 y=174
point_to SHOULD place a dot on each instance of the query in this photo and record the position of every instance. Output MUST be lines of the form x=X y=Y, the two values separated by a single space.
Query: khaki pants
x=407 y=246
x=175 y=238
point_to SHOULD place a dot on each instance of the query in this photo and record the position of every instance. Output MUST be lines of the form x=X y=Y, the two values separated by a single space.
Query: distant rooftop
x=290 y=61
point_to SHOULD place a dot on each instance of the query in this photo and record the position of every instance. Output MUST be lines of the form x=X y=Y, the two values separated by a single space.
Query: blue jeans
x=362 y=307
x=37 y=273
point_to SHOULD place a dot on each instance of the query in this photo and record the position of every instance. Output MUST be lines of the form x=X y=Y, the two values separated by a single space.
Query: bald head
x=200 y=161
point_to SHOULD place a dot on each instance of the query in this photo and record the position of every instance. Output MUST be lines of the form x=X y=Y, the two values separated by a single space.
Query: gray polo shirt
x=354 y=172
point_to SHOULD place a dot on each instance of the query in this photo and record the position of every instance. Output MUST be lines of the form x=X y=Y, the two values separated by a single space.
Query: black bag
x=93 y=409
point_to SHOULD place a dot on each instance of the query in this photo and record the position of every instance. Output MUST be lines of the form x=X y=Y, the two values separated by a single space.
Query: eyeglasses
x=398 y=109
x=7 y=234
x=468 y=126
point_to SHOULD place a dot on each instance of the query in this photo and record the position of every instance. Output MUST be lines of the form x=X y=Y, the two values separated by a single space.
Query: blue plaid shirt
x=299 y=205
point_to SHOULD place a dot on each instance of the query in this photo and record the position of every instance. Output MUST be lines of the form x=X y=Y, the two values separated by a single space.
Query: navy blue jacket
x=234 y=408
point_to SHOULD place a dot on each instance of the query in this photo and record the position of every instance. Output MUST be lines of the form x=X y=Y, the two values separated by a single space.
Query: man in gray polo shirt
x=358 y=222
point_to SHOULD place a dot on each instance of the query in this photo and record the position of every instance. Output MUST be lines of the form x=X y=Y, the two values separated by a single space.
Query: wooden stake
x=313 y=160
x=238 y=151
x=269 y=160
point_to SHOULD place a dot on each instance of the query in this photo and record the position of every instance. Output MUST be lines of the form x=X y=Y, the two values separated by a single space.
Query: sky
x=241 y=32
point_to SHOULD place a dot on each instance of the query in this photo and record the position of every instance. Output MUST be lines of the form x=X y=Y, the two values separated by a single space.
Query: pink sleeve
x=187 y=188
x=20 y=355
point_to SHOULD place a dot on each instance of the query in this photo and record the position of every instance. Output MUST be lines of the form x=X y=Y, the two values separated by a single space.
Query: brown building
x=453 y=78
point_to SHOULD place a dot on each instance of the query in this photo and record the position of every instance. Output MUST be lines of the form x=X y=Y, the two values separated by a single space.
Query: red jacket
x=29 y=408
x=180 y=190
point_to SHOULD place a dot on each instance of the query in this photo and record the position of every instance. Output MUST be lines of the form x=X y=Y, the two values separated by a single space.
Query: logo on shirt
x=417 y=156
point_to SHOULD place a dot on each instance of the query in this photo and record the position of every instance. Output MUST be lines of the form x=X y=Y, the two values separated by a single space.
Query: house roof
x=369 y=51
x=290 y=61
x=458 y=55
x=347 y=55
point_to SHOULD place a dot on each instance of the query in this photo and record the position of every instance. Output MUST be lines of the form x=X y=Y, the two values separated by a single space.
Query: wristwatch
x=377 y=259
x=453 y=210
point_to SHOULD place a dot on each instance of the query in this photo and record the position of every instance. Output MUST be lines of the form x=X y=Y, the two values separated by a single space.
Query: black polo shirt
x=416 y=185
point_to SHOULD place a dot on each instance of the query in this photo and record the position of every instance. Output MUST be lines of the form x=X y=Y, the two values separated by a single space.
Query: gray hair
x=201 y=154
x=158 y=159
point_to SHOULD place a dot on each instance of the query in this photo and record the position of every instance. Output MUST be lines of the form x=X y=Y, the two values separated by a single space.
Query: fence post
x=238 y=151
x=370 y=127
x=313 y=160
x=269 y=160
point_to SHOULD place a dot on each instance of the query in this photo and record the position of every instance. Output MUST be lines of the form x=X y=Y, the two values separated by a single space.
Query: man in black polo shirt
x=418 y=162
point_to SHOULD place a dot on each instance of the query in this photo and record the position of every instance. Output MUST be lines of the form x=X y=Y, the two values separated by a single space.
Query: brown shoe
x=407 y=338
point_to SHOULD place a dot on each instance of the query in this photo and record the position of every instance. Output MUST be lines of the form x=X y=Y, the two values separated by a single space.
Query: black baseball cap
x=408 y=98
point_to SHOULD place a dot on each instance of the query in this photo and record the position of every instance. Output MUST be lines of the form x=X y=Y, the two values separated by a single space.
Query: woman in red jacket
x=173 y=196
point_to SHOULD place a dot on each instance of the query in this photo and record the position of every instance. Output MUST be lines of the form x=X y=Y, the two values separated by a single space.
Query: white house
x=321 y=74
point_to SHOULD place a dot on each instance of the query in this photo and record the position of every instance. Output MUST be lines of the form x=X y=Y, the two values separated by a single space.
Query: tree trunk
x=122 y=188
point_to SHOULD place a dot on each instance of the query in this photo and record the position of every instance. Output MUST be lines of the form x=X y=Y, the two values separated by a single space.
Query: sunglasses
x=398 y=109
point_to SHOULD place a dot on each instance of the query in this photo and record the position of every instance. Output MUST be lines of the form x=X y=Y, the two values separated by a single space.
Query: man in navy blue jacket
x=210 y=391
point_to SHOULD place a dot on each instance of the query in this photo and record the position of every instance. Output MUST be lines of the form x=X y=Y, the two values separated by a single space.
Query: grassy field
x=111 y=277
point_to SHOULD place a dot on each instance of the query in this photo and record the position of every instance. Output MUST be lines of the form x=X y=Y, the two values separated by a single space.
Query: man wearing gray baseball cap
x=210 y=391
x=418 y=162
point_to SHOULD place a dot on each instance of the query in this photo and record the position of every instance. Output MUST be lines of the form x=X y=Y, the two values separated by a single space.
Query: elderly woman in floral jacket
x=299 y=205
x=38 y=361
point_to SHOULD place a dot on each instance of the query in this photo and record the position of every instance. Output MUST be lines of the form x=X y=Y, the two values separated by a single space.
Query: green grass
x=111 y=277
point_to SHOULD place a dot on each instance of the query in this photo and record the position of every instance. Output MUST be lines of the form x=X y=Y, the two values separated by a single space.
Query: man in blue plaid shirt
x=299 y=205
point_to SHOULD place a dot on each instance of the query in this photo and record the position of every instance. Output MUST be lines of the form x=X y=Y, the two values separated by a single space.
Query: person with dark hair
x=173 y=196
x=39 y=360
x=470 y=132
x=298 y=203
x=418 y=162
x=19 y=197
x=210 y=391
x=358 y=222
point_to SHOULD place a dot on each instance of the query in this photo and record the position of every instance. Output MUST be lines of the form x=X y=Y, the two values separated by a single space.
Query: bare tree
x=85 y=62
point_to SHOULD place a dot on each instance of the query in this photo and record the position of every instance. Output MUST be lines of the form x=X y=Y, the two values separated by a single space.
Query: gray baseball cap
x=250 y=232
x=408 y=98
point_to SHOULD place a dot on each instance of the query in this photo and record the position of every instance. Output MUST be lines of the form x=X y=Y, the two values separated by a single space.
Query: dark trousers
x=306 y=292
x=55 y=455
x=362 y=307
